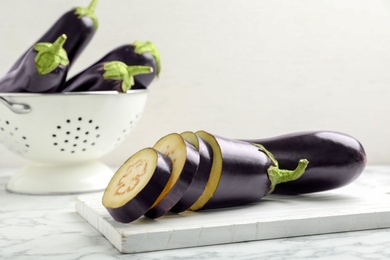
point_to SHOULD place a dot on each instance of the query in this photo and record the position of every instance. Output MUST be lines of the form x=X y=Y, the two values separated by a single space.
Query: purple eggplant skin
x=179 y=188
x=27 y=79
x=106 y=76
x=147 y=56
x=135 y=208
x=199 y=182
x=91 y=79
x=79 y=24
x=244 y=177
x=336 y=159
x=241 y=173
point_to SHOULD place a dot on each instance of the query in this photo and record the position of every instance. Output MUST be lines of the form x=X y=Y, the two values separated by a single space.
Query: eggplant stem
x=277 y=176
x=92 y=5
x=58 y=44
x=268 y=153
x=50 y=55
x=116 y=70
x=149 y=47
x=89 y=11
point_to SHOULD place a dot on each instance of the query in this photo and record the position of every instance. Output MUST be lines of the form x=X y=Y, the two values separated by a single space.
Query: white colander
x=63 y=135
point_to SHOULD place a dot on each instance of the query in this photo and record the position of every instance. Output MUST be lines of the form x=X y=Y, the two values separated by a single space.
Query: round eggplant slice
x=241 y=173
x=198 y=185
x=136 y=185
x=185 y=161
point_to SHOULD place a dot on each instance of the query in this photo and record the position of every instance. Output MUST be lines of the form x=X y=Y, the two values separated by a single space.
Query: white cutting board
x=364 y=204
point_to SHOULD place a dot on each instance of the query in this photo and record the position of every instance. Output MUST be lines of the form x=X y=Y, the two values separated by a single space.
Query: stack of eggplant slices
x=202 y=171
x=43 y=68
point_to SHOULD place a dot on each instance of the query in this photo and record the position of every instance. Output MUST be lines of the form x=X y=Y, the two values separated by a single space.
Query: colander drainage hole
x=11 y=137
x=75 y=135
x=125 y=131
x=131 y=123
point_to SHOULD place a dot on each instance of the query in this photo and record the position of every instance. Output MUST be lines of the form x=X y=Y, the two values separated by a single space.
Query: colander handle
x=17 y=108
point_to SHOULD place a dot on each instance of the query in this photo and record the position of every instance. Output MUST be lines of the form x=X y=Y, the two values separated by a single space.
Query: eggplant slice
x=137 y=184
x=185 y=161
x=198 y=185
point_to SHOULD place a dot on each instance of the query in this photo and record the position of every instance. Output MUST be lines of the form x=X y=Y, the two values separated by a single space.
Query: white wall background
x=240 y=69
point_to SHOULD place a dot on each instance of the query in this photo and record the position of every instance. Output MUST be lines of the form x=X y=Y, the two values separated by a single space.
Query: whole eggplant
x=105 y=76
x=43 y=69
x=242 y=173
x=336 y=159
x=136 y=54
x=79 y=25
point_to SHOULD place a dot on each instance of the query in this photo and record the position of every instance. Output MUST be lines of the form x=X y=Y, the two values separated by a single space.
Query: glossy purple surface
x=178 y=189
x=244 y=177
x=335 y=159
x=79 y=32
x=26 y=79
x=136 y=207
x=91 y=79
x=199 y=182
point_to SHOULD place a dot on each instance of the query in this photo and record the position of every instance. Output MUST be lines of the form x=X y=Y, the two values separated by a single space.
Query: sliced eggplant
x=198 y=185
x=241 y=173
x=185 y=161
x=136 y=185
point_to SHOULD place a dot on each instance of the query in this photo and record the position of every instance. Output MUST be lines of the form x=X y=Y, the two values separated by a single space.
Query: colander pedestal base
x=47 y=179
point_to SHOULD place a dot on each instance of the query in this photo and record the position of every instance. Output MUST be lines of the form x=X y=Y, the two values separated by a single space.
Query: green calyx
x=149 y=47
x=277 y=175
x=88 y=11
x=116 y=70
x=50 y=55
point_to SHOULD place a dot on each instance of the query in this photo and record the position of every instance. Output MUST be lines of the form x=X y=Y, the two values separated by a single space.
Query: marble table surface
x=48 y=227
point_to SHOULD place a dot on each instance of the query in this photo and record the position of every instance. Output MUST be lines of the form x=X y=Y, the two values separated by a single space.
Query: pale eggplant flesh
x=197 y=186
x=185 y=161
x=136 y=185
